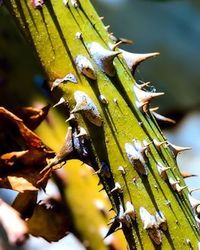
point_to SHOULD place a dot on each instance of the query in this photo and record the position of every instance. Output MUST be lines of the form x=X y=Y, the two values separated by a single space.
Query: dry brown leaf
x=9 y=159
x=32 y=157
x=16 y=229
x=13 y=124
x=25 y=203
x=49 y=221
x=32 y=117
x=19 y=184
x=20 y=170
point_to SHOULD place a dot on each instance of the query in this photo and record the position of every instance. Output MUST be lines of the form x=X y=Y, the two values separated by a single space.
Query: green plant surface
x=52 y=32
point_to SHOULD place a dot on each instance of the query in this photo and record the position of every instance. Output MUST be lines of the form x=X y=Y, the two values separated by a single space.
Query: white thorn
x=85 y=104
x=162 y=170
x=148 y=220
x=122 y=170
x=61 y=101
x=82 y=132
x=177 y=149
x=130 y=210
x=103 y=57
x=85 y=66
x=162 y=117
x=71 y=117
x=117 y=188
x=144 y=96
x=134 y=59
x=103 y=99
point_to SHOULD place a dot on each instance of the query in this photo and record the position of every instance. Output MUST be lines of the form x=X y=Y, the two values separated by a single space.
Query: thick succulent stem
x=71 y=39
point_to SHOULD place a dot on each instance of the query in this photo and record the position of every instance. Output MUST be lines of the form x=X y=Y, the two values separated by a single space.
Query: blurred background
x=170 y=27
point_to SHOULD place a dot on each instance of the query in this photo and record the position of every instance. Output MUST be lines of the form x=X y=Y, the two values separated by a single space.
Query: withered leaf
x=16 y=228
x=19 y=184
x=16 y=129
x=9 y=159
x=20 y=169
x=32 y=117
x=16 y=160
x=49 y=221
x=25 y=203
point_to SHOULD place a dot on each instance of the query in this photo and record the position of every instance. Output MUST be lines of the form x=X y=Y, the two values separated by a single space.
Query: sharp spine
x=103 y=99
x=62 y=155
x=136 y=159
x=71 y=117
x=122 y=170
x=162 y=170
x=144 y=98
x=38 y=3
x=134 y=59
x=161 y=221
x=162 y=117
x=177 y=149
x=150 y=224
x=130 y=210
x=85 y=104
x=61 y=101
x=68 y=78
x=117 y=188
x=158 y=144
x=85 y=66
x=82 y=132
x=103 y=58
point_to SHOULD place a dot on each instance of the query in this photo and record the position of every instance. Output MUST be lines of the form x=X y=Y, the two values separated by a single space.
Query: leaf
x=9 y=159
x=20 y=170
x=25 y=203
x=19 y=184
x=32 y=117
x=31 y=158
x=21 y=134
x=16 y=229
x=49 y=221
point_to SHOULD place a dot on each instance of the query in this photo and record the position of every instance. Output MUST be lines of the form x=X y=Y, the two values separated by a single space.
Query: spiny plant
x=111 y=124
